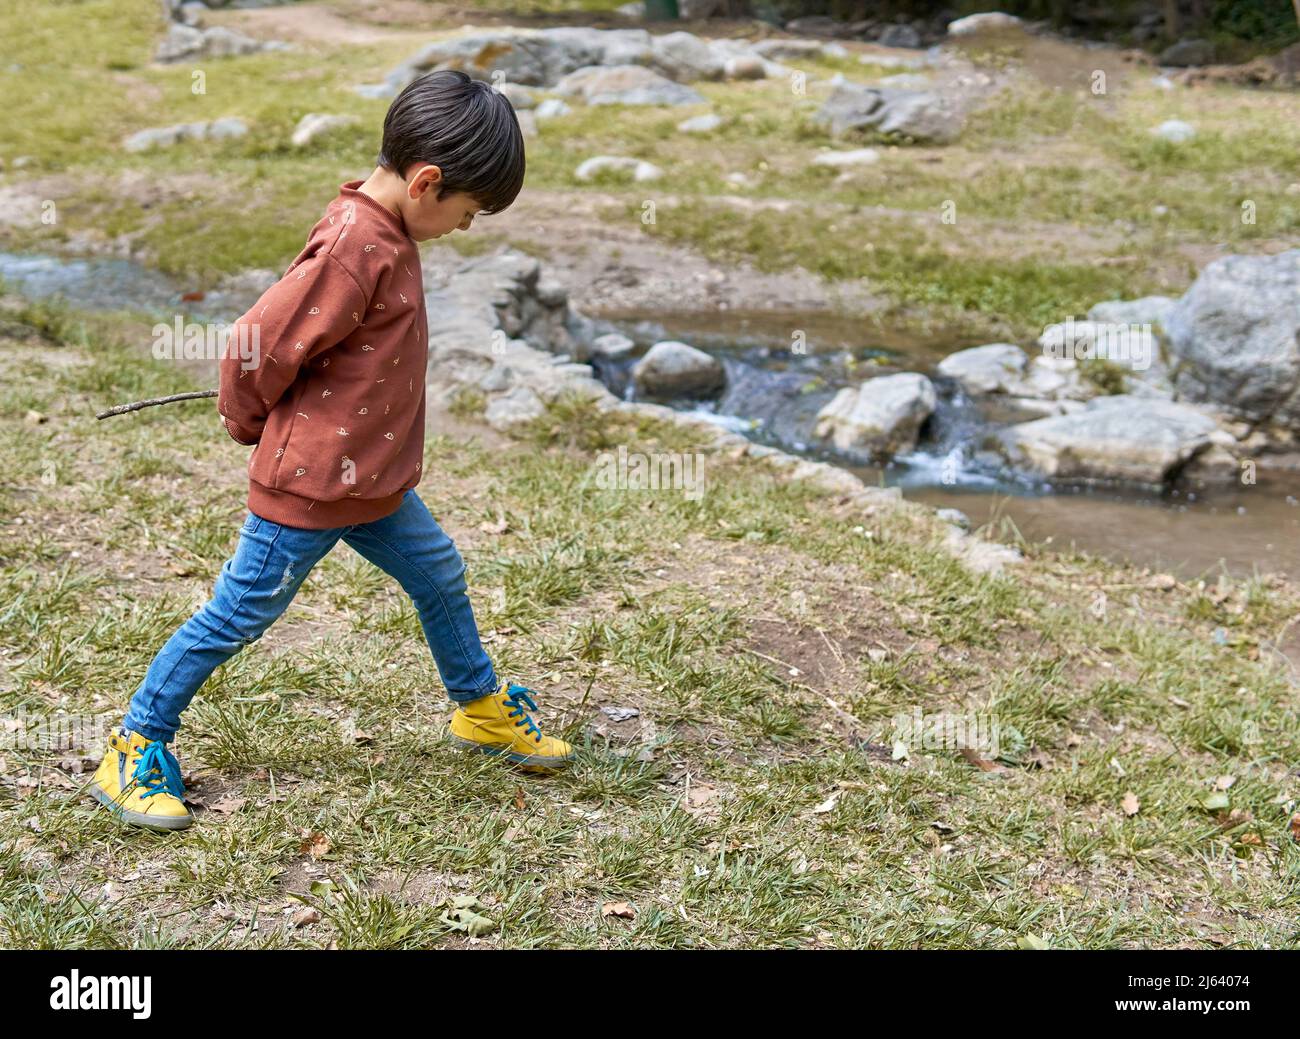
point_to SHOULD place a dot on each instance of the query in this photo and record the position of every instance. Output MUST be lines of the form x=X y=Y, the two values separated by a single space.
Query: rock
x=626 y=85
x=515 y=408
x=315 y=124
x=1130 y=346
x=988 y=21
x=899 y=36
x=185 y=42
x=684 y=57
x=552 y=108
x=918 y=115
x=700 y=123
x=1114 y=439
x=789 y=50
x=744 y=66
x=638 y=169
x=1149 y=310
x=168 y=136
x=857 y=157
x=529 y=57
x=880 y=418
x=671 y=369
x=1187 y=52
x=613 y=345
x=1175 y=130
x=995 y=368
x=1235 y=337
x=191 y=13
x=955 y=517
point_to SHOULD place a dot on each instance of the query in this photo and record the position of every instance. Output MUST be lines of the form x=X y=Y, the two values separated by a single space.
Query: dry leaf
x=306 y=916
x=1295 y=827
x=499 y=527
x=521 y=802
x=980 y=763
x=1130 y=804
x=619 y=909
x=227 y=805
x=1224 y=782
x=315 y=844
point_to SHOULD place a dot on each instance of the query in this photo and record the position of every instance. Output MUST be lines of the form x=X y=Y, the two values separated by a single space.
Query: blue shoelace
x=517 y=698
x=158 y=771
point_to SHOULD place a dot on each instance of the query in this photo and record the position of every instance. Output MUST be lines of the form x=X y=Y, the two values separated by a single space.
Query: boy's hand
x=311 y=309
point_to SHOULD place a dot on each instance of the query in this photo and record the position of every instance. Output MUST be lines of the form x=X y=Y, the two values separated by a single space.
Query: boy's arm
x=312 y=308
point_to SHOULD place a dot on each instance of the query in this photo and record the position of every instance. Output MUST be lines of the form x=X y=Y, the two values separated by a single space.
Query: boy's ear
x=426 y=177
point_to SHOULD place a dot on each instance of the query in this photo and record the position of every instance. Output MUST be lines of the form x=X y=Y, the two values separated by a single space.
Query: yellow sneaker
x=500 y=724
x=139 y=781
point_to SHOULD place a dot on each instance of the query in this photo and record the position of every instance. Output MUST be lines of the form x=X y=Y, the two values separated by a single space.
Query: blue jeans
x=257 y=585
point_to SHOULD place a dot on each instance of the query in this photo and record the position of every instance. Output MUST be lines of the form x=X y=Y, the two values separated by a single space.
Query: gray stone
x=1149 y=310
x=1187 y=52
x=552 y=108
x=1235 y=337
x=185 y=42
x=625 y=85
x=637 y=169
x=613 y=345
x=315 y=125
x=706 y=123
x=994 y=368
x=1118 y=439
x=515 y=408
x=1175 y=131
x=880 y=418
x=671 y=369
x=856 y=157
x=987 y=21
x=918 y=115
x=684 y=57
x=899 y=36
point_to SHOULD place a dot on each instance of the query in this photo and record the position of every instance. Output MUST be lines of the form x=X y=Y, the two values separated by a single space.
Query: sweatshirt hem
x=289 y=510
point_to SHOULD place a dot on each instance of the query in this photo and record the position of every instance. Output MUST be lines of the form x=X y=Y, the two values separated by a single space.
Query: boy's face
x=428 y=216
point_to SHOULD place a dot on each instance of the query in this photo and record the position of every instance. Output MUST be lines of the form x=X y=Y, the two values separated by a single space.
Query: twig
x=122 y=409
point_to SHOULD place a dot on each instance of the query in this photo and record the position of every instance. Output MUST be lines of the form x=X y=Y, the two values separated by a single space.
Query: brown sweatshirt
x=325 y=374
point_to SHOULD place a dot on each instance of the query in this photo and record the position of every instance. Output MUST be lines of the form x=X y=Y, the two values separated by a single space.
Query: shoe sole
x=162 y=823
x=537 y=760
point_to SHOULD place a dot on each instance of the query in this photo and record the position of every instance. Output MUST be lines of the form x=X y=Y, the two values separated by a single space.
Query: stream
x=772 y=394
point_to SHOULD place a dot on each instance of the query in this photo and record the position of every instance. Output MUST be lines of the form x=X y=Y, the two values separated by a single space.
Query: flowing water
x=774 y=390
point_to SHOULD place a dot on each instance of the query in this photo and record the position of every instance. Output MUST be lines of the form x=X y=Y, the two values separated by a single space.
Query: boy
x=332 y=402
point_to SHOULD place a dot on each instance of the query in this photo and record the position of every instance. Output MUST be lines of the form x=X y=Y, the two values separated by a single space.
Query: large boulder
x=1235 y=337
x=671 y=369
x=625 y=85
x=1119 y=439
x=915 y=114
x=880 y=418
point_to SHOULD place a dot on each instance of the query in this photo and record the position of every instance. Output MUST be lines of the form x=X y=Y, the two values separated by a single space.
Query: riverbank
x=766 y=634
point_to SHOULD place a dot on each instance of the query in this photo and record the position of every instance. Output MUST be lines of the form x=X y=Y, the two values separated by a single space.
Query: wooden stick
x=123 y=409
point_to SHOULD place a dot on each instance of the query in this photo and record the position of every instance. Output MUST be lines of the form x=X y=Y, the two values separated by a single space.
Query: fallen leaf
x=983 y=764
x=1224 y=782
x=304 y=917
x=1029 y=940
x=499 y=527
x=463 y=916
x=315 y=844
x=1215 y=802
x=1295 y=827
x=1130 y=804
x=619 y=909
x=521 y=802
x=227 y=805
x=828 y=805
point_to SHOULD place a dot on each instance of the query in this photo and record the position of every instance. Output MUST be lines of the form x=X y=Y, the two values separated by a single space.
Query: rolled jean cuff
x=149 y=732
x=466 y=697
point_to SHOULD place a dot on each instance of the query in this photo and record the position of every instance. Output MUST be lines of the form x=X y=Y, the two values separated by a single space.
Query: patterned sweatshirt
x=325 y=374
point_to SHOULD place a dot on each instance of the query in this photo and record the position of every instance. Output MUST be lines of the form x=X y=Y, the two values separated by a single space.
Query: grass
x=739 y=809
x=1061 y=197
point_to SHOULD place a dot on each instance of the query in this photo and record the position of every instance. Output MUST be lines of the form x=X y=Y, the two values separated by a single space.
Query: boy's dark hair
x=465 y=128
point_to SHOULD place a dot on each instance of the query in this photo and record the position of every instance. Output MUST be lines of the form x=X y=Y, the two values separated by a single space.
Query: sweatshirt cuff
x=239 y=434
